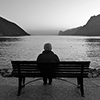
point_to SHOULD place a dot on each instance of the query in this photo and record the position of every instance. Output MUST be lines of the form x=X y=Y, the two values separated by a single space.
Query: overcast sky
x=49 y=14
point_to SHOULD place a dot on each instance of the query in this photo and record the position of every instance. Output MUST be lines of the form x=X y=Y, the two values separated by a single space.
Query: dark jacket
x=48 y=56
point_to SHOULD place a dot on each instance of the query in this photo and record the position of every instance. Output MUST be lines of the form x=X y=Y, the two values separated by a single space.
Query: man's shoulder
x=40 y=54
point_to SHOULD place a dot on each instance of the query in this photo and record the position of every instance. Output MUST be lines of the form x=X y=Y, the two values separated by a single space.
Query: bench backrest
x=63 y=68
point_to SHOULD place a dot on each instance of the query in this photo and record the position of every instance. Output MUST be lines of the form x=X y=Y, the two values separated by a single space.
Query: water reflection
x=94 y=47
x=68 y=48
x=93 y=51
x=7 y=39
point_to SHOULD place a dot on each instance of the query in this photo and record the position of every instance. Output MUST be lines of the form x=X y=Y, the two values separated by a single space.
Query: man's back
x=48 y=56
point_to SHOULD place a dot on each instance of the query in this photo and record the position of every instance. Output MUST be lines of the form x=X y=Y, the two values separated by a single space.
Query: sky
x=45 y=15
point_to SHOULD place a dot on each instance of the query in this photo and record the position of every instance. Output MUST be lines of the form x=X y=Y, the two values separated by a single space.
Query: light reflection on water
x=93 y=51
x=66 y=47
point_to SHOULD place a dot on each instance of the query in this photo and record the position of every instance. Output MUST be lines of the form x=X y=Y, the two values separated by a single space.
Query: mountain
x=69 y=31
x=8 y=28
x=92 y=28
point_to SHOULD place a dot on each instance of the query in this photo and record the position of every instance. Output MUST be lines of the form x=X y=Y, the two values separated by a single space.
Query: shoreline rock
x=93 y=73
x=6 y=72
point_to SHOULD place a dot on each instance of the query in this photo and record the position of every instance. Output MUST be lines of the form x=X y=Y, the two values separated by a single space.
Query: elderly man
x=47 y=56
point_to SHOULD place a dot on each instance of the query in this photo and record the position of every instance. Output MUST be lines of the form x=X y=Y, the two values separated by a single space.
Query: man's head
x=48 y=47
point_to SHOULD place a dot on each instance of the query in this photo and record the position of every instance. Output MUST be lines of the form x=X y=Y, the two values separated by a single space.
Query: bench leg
x=81 y=87
x=19 y=85
x=78 y=82
x=23 y=81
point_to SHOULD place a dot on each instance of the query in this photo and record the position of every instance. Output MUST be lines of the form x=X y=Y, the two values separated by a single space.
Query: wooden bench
x=63 y=69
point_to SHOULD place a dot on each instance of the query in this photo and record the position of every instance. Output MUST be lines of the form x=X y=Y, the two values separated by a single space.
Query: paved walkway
x=59 y=90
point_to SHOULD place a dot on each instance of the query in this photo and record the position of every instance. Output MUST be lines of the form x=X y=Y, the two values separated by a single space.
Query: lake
x=76 y=48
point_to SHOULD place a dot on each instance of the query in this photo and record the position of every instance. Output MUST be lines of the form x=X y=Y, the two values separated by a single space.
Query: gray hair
x=48 y=47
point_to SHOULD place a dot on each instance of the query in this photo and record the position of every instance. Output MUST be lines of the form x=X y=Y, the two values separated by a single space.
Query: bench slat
x=65 y=68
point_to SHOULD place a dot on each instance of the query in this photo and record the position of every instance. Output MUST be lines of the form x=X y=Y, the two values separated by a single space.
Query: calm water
x=66 y=47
